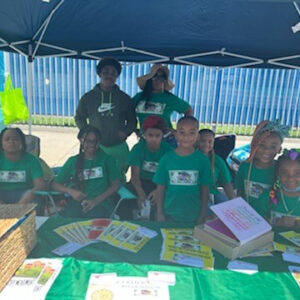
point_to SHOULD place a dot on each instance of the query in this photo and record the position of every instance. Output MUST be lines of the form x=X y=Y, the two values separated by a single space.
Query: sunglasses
x=159 y=77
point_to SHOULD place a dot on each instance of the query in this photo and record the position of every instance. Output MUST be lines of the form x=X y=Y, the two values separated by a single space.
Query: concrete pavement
x=59 y=143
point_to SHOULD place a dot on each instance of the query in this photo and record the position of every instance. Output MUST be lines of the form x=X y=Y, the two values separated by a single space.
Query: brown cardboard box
x=228 y=249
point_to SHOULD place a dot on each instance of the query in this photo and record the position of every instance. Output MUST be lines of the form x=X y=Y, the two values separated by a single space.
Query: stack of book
x=237 y=230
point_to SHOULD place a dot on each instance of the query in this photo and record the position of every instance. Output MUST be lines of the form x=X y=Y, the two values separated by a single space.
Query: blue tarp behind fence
x=218 y=96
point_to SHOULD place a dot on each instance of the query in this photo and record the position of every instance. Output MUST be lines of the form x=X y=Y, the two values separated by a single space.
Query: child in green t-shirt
x=20 y=172
x=183 y=178
x=285 y=195
x=94 y=177
x=220 y=173
x=257 y=174
x=145 y=156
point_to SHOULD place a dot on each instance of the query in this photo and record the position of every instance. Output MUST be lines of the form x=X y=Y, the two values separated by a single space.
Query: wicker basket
x=16 y=240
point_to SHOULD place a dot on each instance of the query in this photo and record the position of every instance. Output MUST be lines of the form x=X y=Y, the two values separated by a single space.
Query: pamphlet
x=295 y=273
x=111 y=286
x=33 y=279
x=292 y=236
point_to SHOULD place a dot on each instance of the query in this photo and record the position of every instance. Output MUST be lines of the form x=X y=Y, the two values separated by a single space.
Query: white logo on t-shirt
x=150 y=166
x=93 y=173
x=12 y=176
x=255 y=189
x=150 y=108
x=183 y=177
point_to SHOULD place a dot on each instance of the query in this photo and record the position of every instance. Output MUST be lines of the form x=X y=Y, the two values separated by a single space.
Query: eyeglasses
x=159 y=77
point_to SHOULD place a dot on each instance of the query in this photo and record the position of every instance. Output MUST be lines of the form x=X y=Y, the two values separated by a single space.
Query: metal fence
x=229 y=100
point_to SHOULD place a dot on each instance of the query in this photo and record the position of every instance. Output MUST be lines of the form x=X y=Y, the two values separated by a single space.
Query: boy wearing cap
x=145 y=156
x=110 y=110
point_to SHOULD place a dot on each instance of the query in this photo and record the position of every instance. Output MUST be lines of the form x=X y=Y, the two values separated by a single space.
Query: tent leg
x=29 y=88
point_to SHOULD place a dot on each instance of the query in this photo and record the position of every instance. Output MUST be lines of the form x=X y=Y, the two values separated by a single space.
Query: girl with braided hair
x=220 y=172
x=285 y=195
x=257 y=173
x=94 y=178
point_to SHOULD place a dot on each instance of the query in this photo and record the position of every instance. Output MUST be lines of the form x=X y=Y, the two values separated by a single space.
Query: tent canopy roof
x=165 y=30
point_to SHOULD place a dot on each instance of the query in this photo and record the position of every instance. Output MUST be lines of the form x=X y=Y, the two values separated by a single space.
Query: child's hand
x=77 y=195
x=161 y=217
x=152 y=198
x=141 y=200
x=88 y=205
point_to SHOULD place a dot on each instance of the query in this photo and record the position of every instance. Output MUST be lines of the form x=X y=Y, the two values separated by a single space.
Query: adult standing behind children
x=110 y=110
x=156 y=98
x=183 y=178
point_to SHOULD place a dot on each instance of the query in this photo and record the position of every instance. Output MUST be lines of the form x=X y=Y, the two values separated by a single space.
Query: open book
x=237 y=223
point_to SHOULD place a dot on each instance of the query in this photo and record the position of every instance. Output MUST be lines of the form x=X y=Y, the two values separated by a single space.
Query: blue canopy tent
x=212 y=33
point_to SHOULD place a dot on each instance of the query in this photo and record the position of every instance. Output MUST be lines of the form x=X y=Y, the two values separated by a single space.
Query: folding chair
x=124 y=194
x=48 y=198
x=223 y=146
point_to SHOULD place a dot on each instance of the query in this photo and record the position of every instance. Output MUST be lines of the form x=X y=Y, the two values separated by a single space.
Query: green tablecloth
x=273 y=281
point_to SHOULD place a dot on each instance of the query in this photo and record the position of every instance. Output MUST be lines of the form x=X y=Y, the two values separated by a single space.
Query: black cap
x=108 y=61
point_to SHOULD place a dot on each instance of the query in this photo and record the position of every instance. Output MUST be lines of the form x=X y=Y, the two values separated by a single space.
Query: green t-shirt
x=19 y=174
x=260 y=181
x=182 y=177
x=162 y=105
x=221 y=174
x=98 y=174
x=145 y=159
x=289 y=206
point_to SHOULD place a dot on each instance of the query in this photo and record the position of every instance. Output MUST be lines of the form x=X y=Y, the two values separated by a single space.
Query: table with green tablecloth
x=273 y=281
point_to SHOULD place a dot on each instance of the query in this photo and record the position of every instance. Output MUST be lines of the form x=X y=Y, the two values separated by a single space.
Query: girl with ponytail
x=91 y=177
x=220 y=173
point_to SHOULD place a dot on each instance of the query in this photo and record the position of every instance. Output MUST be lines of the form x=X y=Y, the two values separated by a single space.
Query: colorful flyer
x=97 y=226
x=33 y=279
x=106 y=234
x=286 y=248
x=135 y=242
x=292 y=236
x=295 y=271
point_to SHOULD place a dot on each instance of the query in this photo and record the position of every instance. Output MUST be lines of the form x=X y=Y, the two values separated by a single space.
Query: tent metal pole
x=29 y=86
x=44 y=27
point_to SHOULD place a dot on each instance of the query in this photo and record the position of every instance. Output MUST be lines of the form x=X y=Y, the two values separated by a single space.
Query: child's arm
x=38 y=184
x=229 y=190
x=88 y=205
x=204 y=194
x=136 y=182
x=160 y=195
x=75 y=194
